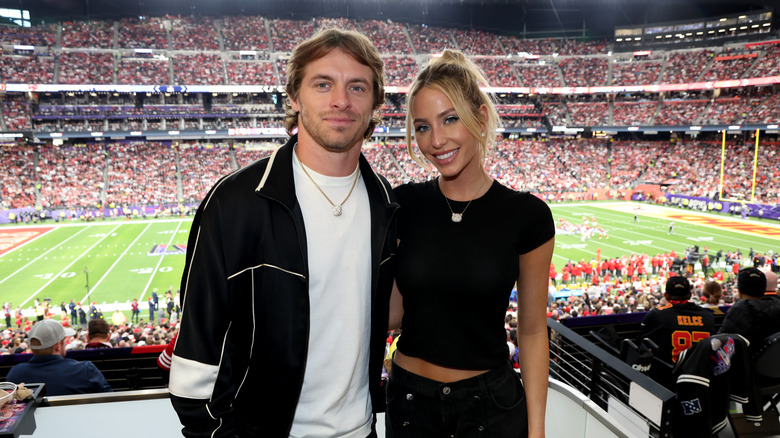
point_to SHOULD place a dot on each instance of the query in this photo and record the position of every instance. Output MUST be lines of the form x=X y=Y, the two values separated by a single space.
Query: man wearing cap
x=676 y=325
x=49 y=365
x=756 y=315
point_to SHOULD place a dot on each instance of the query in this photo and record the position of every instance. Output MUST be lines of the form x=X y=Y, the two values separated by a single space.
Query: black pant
x=489 y=405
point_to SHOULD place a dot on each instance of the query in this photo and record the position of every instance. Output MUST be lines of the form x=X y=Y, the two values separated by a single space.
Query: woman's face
x=441 y=135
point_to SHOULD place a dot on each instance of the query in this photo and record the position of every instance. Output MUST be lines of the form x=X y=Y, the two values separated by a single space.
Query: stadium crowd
x=149 y=173
x=143 y=327
x=177 y=37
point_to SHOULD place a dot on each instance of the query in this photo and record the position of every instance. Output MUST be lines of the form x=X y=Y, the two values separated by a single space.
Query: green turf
x=115 y=253
x=648 y=236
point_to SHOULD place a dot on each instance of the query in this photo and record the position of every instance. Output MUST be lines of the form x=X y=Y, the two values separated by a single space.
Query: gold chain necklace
x=336 y=207
x=457 y=217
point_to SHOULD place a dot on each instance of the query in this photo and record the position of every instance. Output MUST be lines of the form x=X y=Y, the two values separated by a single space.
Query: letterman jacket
x=245 y=318
x=708 y=375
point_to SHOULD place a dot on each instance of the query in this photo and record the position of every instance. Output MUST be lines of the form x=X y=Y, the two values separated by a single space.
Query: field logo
x=164 y=250
x=12 y=239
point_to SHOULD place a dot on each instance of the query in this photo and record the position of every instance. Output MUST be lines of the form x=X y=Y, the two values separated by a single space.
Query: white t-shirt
x=335 y=400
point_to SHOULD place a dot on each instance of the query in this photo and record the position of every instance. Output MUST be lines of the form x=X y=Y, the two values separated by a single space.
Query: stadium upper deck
x=49 y=54
x=99 y=65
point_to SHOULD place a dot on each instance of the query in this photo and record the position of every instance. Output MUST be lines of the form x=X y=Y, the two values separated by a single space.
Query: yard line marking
x=36 y=259
x=95 y=286
x=55 y=277
x=159 y=262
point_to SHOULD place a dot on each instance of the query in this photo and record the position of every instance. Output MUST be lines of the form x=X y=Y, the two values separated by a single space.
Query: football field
x=105 y=262
x=649 y=232
x=115 y=261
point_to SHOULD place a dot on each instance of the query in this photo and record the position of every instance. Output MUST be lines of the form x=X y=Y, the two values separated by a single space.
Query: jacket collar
x=277 y=181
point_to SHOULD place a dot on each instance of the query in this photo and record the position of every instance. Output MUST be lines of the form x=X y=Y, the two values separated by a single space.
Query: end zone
x=692 y=217
x=10 y=239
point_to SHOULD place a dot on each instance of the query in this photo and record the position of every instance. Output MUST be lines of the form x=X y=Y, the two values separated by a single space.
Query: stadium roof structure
x=528 y=18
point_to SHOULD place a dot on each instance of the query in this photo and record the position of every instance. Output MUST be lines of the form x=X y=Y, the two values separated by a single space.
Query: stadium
x=649 y=128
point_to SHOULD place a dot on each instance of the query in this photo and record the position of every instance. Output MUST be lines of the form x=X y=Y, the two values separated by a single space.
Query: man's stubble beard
x=332 y=140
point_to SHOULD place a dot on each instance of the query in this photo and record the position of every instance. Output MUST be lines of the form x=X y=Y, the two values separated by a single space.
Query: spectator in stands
x=164 y=359
x=447 y=336
x=771 y=284
x=49 y=365
x=678 y=324
x=711 y=293
x=98 y=335
x=756 y=315
x=335 y=82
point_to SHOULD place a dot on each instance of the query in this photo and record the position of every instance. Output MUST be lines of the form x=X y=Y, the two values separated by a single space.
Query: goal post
x=723 y=172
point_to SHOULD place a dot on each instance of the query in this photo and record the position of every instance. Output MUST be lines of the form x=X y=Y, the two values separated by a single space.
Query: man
x=82 y=316
x=7 y=314
x=135 y=311
x=678 y=324
x=94 y=312
x=74 y=316
x=48 y=365
x=40 y=310
x=756 y=315
x=152 y=310
x=98 y=335
x=288 y=248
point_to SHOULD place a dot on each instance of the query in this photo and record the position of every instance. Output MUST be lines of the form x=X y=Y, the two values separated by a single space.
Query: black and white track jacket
x=245 y=319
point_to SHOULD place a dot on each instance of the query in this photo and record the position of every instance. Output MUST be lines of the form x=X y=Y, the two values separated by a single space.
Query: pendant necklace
x=336 y=210
x=457 y=217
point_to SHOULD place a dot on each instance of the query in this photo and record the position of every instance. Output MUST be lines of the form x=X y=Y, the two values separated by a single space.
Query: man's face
x=334 y=102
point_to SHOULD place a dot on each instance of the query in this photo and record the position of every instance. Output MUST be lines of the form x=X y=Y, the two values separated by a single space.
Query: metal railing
x=636 y=401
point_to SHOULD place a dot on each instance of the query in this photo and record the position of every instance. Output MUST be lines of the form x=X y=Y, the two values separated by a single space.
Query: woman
x=464 y=241
x=711 y=296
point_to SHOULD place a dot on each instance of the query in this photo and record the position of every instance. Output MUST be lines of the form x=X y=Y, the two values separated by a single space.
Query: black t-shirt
x=456 y=278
